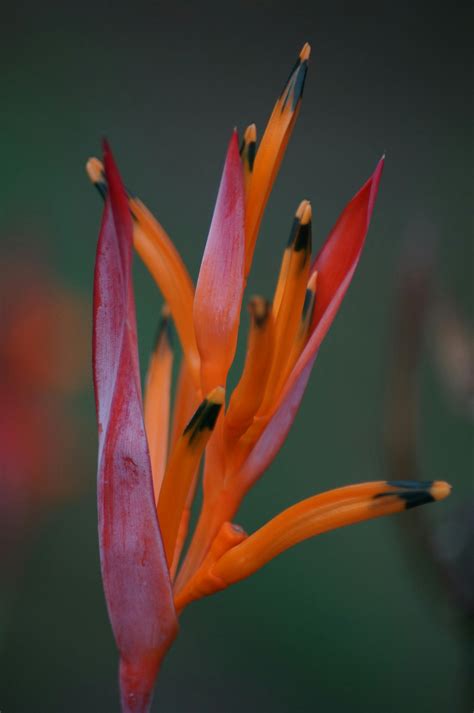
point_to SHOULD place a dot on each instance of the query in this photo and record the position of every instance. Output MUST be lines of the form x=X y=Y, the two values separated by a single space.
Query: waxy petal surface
x=136 y=579
x=220 y=285
x=275 y=432
x=338 y=258
x=335 y=265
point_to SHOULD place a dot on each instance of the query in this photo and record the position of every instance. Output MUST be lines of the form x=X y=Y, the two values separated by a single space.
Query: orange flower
x=149 y=464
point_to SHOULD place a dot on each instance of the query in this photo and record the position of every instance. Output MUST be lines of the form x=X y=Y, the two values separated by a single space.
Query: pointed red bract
x=338 y=258
x=220 y=286
x=276 y=431
x=134 y=570
x=336 y=264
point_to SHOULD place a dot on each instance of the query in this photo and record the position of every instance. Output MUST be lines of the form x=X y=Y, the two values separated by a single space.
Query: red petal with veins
x=134 y=571
x=220 y=285
x=336 y=264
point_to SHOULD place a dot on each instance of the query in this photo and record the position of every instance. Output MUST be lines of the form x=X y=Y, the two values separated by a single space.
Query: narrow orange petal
x=248 y=394
x=247 y=153
x=271 y=150
x=219 y=505
x=321 y=513
x=186 y=401
x=166 y=267
x=182 y=465
x=204 y=582
x=293 y=290
x=185 y=404
x=304 y=326
x=164 y=264
x=157 y=401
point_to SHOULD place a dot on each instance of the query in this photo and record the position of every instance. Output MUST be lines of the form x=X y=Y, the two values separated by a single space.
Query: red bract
x=135 y=575
x=335 y=266
x=239 y=441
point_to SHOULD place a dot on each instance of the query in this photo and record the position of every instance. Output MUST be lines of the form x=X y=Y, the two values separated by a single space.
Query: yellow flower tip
x=216 y=396
x=248 y=151
x=250 y=135
x=305 y=52
x=304 y=212
x=95 y=170
x=440 y=489
x=260 y=310
x=313 y=281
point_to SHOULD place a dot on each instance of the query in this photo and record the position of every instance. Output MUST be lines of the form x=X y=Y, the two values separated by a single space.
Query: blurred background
x=375 y=617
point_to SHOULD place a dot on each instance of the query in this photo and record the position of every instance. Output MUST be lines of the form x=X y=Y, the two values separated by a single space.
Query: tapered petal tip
x=260 y=310
x=94 y=169
x=416 y=492
x=137 y=684
x=109 y=160
x=313 y=281
x=440 y=489
x=234 y=141
x=216 y=396
x=376 y=176
x=250 y=134
x=305 y=52
x=106 y=146
x=304 y=212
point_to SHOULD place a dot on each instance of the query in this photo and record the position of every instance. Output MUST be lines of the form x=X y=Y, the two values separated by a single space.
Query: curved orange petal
x=321 y=513
x=335 y=265
x=248 y=394
x=164 y=264
x=271 y=151
x=182 y=465
x=157 y=401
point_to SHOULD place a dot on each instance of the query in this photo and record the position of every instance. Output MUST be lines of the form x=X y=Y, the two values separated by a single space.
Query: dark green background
x=347 y=622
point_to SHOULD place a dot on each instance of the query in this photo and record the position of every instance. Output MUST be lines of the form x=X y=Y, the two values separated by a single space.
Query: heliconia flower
x=149 y=462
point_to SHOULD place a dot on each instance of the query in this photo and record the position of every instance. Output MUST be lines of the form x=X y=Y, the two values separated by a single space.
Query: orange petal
x=164 y=263
x=183 y=463
x=335 y=264
x=248 y=394
x=166 y=267
x=304 y=324
x=247 y=153
x=204 y=582
x=321 y=513
x=186 y=401
x=271 y=150
x=293 y=291
x=157 y=401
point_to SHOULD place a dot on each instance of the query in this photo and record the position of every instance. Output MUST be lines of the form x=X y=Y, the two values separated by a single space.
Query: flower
x=148 y=470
